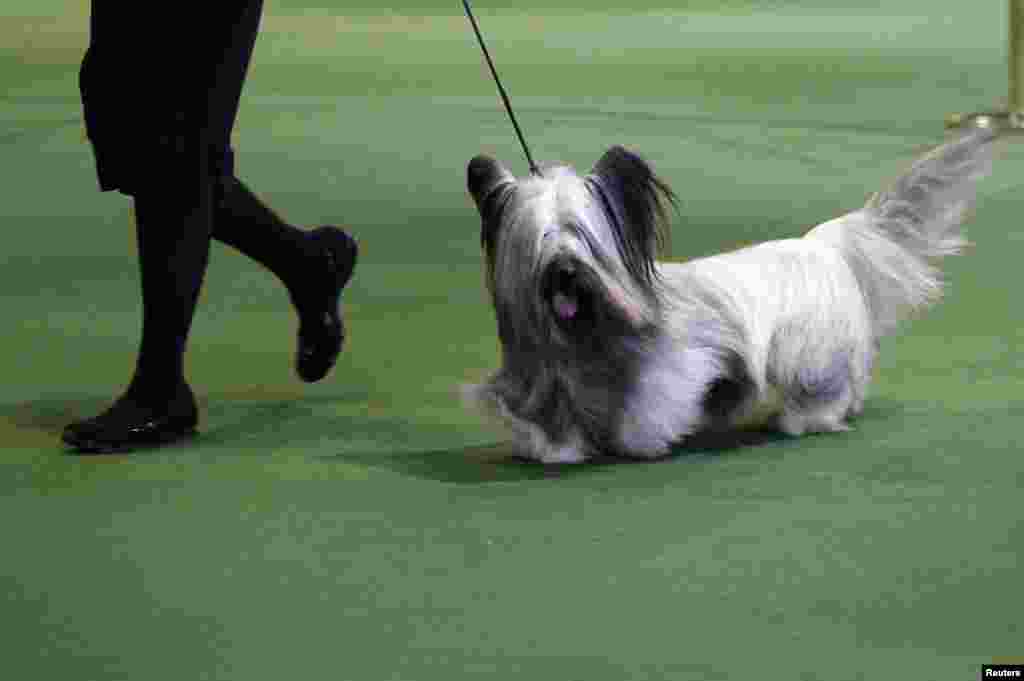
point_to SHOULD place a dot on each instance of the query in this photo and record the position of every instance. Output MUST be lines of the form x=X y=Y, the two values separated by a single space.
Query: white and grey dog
x=608 y=351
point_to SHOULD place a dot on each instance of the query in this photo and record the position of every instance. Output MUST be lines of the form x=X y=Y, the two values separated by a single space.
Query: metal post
x=1011 y=118
x=1016 y=57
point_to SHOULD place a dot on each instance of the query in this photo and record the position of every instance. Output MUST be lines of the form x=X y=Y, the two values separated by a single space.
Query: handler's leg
x=314 y=266
x=143 y=104
x=173 y=231
x=170 y=150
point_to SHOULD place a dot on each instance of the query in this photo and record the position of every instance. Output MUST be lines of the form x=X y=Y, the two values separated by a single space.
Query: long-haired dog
x=607 y=351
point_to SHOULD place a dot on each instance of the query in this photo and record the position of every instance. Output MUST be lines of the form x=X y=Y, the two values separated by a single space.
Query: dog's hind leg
x=861 y=380
x=819 y=399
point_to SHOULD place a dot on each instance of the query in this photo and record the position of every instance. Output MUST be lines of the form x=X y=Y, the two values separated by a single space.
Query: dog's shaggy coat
x=606 y=350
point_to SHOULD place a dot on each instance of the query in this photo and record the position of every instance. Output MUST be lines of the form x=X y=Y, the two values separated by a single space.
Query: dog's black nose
x=565 y=276
x=559 y=275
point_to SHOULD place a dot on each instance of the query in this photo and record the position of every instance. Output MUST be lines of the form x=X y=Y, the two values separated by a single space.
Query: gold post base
x=1004 y=121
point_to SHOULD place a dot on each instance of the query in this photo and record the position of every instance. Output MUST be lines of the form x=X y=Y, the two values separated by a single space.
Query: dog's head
x=570 y=258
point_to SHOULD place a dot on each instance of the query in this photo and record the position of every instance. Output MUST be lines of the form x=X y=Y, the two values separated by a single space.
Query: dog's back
x=799 y=322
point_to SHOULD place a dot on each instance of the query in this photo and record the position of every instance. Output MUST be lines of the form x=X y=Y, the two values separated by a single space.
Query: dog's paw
x=572 y=450
x=561 y=455
x=798 y=423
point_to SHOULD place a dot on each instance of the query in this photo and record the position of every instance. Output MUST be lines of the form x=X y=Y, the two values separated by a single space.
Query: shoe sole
x=89 y=446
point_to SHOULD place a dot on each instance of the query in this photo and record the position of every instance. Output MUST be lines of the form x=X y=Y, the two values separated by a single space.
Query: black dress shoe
x=129 y=425
x=321 y=327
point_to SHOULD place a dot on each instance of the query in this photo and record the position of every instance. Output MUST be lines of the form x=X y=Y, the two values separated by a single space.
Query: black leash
x=504 y=97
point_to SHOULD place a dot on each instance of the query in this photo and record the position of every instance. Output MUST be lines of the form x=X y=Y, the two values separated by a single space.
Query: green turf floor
x=368 y=528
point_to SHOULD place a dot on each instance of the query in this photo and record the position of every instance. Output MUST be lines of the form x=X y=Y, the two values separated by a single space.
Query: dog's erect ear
x=484 y=176
x=490 y=185
x=637 y=204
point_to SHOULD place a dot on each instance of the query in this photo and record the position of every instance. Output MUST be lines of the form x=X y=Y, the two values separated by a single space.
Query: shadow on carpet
x=483 y=464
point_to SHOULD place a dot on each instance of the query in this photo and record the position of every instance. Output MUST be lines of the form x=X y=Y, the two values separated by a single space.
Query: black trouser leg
x=173 y=245
x=245 y=223
x=241 y=219
x=173 y=229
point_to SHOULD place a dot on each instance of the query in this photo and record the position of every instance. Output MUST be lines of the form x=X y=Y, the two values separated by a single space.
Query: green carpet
x=370 y=529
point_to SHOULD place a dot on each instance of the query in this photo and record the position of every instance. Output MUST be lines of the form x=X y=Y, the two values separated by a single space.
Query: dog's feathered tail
x=893 y=243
